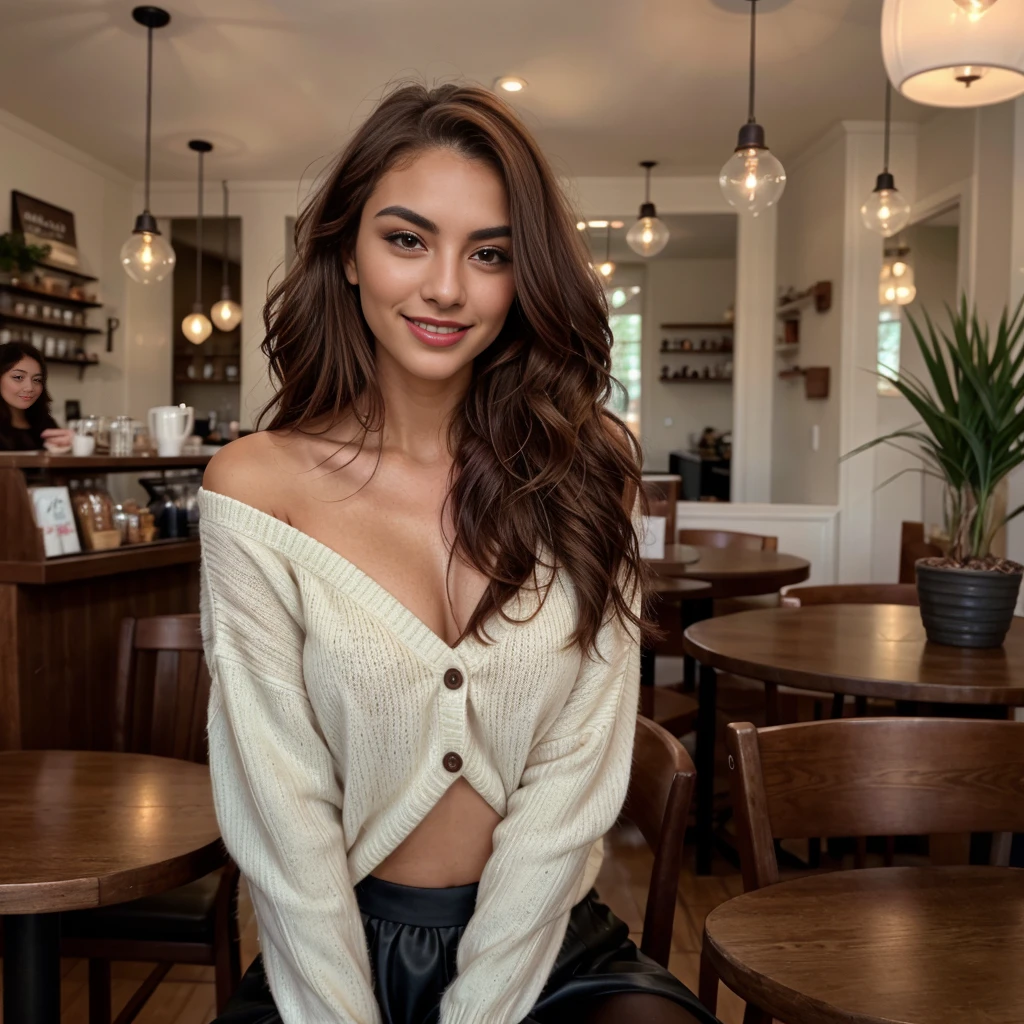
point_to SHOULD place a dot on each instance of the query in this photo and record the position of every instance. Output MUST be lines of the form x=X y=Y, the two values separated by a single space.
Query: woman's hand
x=57 y=437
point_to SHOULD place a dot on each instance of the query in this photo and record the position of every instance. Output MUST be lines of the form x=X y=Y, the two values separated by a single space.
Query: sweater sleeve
x=571 y=792
x=277 y=796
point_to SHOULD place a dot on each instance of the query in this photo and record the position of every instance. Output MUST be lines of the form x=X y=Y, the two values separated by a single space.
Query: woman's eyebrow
x=480 y=235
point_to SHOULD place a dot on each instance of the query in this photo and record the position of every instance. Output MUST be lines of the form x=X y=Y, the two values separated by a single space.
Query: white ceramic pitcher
x=169 y=425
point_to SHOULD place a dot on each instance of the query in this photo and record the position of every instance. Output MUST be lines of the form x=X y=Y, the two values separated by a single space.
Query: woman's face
x=433 y=263
x=22 y=384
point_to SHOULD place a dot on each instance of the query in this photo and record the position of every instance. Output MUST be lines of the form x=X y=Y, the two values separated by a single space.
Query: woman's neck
x=18 y=419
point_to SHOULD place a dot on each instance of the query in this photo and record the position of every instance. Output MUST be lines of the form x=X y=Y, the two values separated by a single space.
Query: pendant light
x=147 y=256
x=607 y=269
x=954 y=53
x=885 y=211
x=648 y=236
x=752 y=178
x=226 y=314
x=196 y=327
x=896 y=282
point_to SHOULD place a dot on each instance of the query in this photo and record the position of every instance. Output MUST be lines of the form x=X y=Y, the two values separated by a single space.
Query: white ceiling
x=277 y=85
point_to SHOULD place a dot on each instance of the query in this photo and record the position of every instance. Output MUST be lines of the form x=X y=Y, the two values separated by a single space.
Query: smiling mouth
x=446 y=327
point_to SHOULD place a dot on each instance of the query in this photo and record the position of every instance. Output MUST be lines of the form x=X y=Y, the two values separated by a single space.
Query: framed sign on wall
x=43 y=223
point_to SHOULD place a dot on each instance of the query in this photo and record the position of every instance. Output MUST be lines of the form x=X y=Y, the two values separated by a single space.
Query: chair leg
x=100 y=1008
x=838 y=702
x=707 y=990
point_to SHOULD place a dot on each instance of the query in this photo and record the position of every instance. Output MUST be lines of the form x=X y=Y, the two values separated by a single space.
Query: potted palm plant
x=971 y=437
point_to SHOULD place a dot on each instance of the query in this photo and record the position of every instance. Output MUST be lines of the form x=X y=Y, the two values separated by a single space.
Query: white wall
x=677 y=291
x=101 y=199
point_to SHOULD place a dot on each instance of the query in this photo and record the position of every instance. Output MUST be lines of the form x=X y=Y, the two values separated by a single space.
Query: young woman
x=25 y=420
x=421 y=600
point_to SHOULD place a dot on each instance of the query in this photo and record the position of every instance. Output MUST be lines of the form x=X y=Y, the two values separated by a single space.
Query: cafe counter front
x=60 y=614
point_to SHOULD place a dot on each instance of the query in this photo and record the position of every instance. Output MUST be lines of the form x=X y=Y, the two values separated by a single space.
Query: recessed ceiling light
x=581 y=225
x=510 y=84
x=597 y=223
x=618 y=224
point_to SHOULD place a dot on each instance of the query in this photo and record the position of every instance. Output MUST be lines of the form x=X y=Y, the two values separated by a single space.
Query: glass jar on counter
x=122 y=436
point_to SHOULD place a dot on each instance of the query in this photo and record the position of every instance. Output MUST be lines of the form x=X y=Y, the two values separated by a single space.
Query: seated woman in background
x=25 y=420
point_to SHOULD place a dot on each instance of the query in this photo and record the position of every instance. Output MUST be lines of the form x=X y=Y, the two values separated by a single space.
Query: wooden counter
x=60 y=617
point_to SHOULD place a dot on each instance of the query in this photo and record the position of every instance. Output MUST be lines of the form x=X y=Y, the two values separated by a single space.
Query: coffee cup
x=82 y=444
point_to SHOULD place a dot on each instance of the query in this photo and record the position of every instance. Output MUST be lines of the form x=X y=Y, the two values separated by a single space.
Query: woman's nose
x=443 y=283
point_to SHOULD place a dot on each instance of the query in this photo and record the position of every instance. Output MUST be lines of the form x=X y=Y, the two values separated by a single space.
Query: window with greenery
x=889 y=327
x=626 y=323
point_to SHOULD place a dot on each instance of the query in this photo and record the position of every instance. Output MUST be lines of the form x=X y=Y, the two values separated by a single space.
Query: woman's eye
x=404 y=240
x=492 y=257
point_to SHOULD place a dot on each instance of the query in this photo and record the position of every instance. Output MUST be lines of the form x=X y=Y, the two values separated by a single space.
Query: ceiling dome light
x=752 y=179
x=885 y=211
x=954 y=53
x=510 y=84
x=196 y=327
x=648 y=236
x=147 y=256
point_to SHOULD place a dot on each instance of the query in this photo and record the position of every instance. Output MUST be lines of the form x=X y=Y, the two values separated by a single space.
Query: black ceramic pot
x=966 y=607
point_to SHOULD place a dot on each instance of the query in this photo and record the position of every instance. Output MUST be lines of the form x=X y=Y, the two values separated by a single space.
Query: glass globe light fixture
x=896 y=281
x=885 y=211
x=147 y=257
x=974 y=8
x=606 y=269
x=648 y=236
x=752 y=179
x=226 y=314
x=196 y=326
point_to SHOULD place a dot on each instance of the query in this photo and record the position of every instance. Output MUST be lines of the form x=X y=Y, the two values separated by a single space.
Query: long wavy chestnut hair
x=539 y=461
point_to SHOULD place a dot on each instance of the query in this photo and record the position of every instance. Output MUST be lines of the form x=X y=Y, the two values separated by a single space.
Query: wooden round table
x=877 y=946
x=871 y=650
x=733 y=572
x=83 y=829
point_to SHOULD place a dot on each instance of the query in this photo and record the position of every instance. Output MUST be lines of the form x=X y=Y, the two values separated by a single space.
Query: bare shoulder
x=247 y=470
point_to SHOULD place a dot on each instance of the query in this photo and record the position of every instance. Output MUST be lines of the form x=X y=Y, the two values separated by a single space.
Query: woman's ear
x=351 y=274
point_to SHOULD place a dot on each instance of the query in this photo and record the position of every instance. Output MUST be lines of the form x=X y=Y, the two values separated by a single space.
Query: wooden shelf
x=695 y=380
x=132 y=558
x=38 y=293
x=66 y=271
x=204 y=380
x=820 y=294
x=53 y=325
x=99 y=463
x=816 y=379
x=724 y=326
x=785 y=350
x=723 y=350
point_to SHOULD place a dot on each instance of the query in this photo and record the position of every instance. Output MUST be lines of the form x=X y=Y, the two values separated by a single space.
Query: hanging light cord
x=199 y=234
x=224 y=185
x=888 y=113
x=753 y=38
x=647 y=188
x=149 y=105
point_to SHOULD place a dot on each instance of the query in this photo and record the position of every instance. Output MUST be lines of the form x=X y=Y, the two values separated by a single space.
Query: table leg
x=32 y=968
x=691 y=612
x=706 y=722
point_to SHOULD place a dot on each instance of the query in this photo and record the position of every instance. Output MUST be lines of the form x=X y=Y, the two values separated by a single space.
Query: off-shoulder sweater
x=338 y=719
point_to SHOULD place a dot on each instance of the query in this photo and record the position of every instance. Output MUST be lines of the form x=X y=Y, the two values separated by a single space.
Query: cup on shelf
x=83 y=444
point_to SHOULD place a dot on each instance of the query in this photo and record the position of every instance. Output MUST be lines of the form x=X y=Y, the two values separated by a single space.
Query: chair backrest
x=851 y=593
x=658 y=802
x=662 y=496
x=912 y=547
x=728 y=539
x=162 y=688
x=871 y=777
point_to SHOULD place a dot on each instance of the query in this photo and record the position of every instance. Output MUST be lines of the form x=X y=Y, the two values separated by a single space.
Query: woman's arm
x=277 y=795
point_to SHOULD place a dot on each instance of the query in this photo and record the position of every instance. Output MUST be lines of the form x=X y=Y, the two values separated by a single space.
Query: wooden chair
x=658 y=802
x=912 y=547
x=727 y=539
x=162 y=689
x=868 y=777
x=662 y=494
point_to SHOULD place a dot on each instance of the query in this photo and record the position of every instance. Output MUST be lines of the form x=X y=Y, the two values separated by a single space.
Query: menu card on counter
x=652 y=543
x=56 y=519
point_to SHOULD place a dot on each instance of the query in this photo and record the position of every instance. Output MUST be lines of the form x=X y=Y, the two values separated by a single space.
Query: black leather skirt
x=413 y=935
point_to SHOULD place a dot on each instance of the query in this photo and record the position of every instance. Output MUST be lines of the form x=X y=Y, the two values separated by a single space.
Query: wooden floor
x=186 y=995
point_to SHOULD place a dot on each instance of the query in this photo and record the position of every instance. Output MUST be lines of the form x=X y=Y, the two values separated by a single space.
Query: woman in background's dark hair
x=25 y=420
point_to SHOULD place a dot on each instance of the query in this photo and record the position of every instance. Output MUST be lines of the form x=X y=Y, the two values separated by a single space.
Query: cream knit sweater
x=329 y=726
